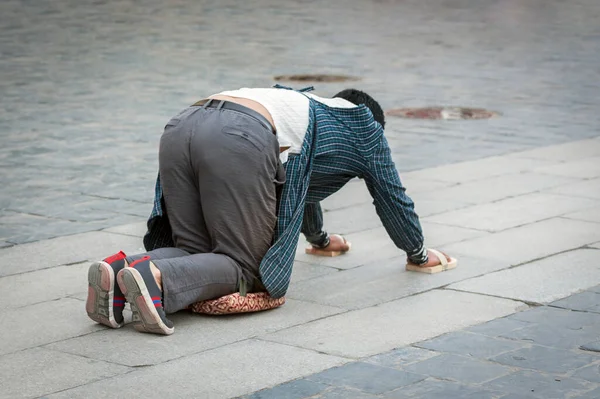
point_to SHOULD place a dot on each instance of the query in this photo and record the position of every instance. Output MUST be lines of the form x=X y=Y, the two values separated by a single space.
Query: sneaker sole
x=99 y=304
x=145 y=317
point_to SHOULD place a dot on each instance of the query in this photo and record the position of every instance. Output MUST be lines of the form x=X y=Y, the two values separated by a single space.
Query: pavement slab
x=542 y=281
x=499 y=326
x=487 y=168
x=342 y=393
x=125 y=207
x=366 y=377
x=588 y=215
x=297 y=389
x=471 y=344
x=82 y=296
x=37 y=372
x=352 y=219
x=587 y=301
x=44 y=285
x=87 y=209
x=441 y=389
x=133 y=229
x=590 y=373
x=595 y=289
x=527 y=243
x=436 y=204
x=497 y=188
x=18 y=224
x=550 y=360
x=461 y=369
x=196 y=376
x=586 y=168
x=590 y=394
x=584 y=188
x=356 y=193
x=194 y=333
x=558 y=318
x=38 y=230
x=384 y=281
x=307 y=271
x=563 y=152
x=65 y=250
x=513 y=212
x=401 y=357
x=43 y=323
x=358 y=218
x=415 y=186
x=559 y=337
x=373 y=330
x=439 y=235
x=593 y=346
x=539 y=385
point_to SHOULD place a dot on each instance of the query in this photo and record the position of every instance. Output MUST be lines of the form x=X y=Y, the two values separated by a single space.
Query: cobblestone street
x=87 y=87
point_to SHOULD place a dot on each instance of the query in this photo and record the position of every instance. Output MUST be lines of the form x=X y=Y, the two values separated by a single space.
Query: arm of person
x=312 y=228
x=312 y=225
x=395 y=208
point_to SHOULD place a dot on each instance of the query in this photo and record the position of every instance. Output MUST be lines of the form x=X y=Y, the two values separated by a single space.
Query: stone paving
x=86 y=87
x=533 y=354
x=509 y=322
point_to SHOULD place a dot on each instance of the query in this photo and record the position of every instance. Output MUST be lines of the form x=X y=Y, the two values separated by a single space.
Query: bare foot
x=337 y=243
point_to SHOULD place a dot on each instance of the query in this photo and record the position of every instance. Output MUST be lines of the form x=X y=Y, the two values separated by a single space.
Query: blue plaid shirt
x=340 y=144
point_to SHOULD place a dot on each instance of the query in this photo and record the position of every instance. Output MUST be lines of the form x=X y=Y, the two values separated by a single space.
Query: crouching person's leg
x=155 y=288
x=105 y=301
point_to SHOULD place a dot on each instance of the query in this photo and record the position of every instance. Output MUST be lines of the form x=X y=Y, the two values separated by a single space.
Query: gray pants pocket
x=246 y=136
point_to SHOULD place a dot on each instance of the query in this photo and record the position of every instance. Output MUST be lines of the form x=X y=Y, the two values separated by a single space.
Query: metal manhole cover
x=449 y=113
x=316 y=78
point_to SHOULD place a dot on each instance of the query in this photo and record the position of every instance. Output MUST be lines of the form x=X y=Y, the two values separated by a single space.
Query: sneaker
x=105 y=302
x=145 y=298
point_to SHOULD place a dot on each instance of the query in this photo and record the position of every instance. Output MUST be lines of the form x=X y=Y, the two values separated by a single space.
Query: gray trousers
x=218 y=169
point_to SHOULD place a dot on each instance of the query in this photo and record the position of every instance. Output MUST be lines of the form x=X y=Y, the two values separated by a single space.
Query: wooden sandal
x=321 y=252
x=434 y=269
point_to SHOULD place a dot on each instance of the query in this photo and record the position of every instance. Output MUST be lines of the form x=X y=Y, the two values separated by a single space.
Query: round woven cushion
x=235 y=303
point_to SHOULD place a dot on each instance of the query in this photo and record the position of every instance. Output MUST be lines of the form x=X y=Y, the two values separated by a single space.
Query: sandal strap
x=440 y=256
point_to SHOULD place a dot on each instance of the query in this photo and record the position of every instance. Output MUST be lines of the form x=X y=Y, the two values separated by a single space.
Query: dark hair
x=360 y=97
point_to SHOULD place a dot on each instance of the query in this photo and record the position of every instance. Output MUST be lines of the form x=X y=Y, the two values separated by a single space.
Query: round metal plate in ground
x=448 y=113
x=316 y=78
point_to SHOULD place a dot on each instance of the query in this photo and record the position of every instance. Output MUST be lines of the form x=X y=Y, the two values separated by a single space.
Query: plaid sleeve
x=276 y=266
x=394 y=207
x=312 y=225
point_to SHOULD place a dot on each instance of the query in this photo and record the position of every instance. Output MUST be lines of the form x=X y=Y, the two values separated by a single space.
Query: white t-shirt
x=289 y=110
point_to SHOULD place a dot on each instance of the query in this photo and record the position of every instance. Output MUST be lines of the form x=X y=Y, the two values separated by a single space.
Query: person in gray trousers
x=220 y=169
